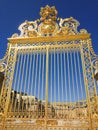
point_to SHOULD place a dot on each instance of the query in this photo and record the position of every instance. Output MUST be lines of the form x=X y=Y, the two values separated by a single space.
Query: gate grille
x=49 y=77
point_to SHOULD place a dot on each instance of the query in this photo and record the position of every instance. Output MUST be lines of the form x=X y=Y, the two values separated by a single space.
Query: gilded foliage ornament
x=49 y=25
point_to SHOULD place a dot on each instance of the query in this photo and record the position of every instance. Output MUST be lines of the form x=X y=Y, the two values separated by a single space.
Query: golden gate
x=49 y=77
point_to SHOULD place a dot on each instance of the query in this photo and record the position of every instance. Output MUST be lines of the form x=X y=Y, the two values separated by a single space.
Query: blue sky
x=14 y=12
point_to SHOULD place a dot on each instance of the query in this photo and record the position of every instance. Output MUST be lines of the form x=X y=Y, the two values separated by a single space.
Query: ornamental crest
x=49 y=25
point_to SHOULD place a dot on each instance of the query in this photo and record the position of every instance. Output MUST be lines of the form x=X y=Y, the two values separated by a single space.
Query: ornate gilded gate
x=49 y=77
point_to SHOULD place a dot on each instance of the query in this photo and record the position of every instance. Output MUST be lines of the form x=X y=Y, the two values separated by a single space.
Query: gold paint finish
x=43 y=87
